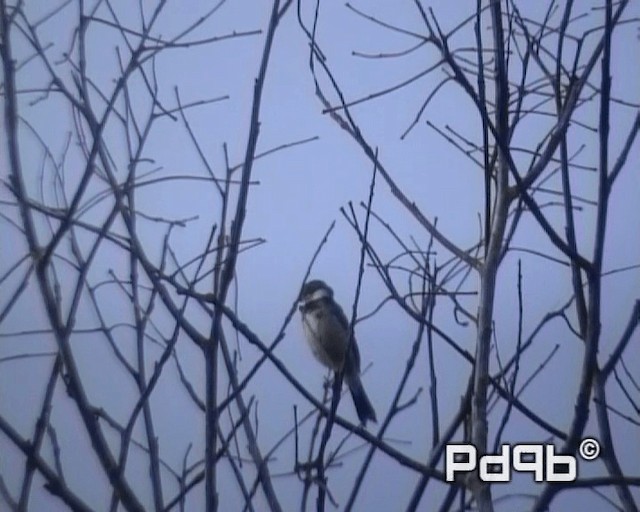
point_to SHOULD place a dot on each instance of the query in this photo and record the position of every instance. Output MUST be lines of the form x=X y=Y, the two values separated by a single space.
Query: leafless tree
x=122 y=320
x=522 y=76
x=83 y=210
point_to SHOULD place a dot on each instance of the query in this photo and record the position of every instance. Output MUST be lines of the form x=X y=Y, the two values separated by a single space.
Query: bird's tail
x=360 y=399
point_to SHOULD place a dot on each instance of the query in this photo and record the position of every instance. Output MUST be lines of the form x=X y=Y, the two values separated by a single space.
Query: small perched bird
x=327 y=330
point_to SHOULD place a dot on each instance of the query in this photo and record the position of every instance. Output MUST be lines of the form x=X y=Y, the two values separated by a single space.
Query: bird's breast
x=326 y=344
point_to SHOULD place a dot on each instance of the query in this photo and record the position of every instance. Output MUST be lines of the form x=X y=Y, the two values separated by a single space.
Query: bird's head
x=314 y=290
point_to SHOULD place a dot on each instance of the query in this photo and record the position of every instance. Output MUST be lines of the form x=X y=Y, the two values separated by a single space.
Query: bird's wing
x=339 y=314
x=353 y=359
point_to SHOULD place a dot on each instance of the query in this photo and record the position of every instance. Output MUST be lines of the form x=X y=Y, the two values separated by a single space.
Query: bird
x=326 y=329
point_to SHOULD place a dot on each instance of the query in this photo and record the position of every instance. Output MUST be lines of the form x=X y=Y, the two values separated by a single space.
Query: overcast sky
x=299 y=194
